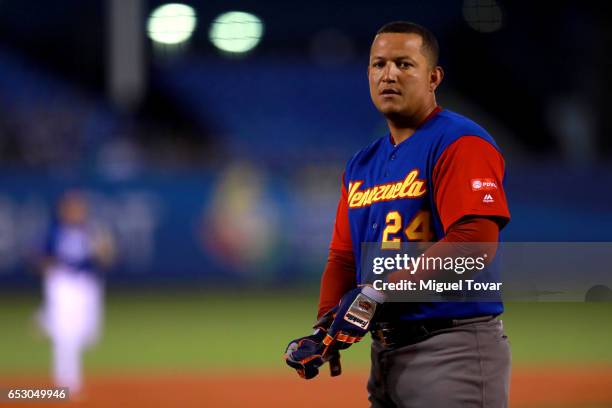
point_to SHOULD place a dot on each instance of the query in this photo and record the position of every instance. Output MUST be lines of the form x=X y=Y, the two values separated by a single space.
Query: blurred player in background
x=76 y=251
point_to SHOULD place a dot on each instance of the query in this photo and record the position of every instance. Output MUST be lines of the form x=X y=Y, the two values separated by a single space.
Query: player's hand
x=356 y=311
x=305 y=354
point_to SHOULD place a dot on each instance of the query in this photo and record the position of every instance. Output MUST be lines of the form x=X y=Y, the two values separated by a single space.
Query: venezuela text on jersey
x=410 y=187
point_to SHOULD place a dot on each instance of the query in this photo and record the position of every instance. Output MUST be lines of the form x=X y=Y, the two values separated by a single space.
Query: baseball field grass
x=211 y=335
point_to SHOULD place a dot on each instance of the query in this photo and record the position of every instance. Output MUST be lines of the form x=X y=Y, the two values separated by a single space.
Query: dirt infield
x=553 y=387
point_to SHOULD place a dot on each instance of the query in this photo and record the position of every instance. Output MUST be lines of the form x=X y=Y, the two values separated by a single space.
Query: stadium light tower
x=125 y=64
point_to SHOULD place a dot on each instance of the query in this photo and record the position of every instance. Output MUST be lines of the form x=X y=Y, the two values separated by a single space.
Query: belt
x=403 y=333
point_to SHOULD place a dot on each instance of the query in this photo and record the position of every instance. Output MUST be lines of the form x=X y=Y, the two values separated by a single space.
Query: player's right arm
x=339 y=274
x=307 y=354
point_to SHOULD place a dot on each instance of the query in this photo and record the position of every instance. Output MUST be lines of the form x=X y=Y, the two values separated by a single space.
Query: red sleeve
x=467 y=180
x=473 y=229
x=338 y=278
x=339 y=275
x=341 y=237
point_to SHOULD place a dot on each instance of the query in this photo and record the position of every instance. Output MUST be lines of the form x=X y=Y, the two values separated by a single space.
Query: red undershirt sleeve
x=339 y=275
x=338 y=278
x=341 y=236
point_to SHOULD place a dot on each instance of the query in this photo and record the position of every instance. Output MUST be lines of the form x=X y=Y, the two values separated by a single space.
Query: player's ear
x=435 y=78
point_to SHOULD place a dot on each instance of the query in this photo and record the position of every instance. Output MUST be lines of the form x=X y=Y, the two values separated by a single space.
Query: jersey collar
x=433 y=113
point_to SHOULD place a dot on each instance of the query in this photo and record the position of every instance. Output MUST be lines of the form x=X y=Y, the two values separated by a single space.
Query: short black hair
x=430 y=42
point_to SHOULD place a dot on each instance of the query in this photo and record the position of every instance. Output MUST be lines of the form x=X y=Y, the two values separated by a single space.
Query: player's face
x=402 y=80
x=73 y=209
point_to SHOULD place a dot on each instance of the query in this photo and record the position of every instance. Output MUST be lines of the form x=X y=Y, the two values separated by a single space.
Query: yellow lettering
x=353 y=187
x=416 y=189
x=356 y=199
x=389 y=193
x=396 y=189
x=410 y=187
x=406 y=184
x=382 y=190
x=372 y=193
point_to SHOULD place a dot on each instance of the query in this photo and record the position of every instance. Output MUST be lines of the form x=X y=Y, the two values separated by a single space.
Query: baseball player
x=75 y=251
x=435 y=177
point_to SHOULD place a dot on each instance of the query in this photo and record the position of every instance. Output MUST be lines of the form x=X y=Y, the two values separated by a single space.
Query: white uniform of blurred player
x=71 y=316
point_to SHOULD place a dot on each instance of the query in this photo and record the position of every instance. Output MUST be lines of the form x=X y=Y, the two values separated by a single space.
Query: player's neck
x=402 y=127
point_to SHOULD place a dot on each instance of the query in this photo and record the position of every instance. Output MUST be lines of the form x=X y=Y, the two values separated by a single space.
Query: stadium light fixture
x=172 y=23
x=236 y=32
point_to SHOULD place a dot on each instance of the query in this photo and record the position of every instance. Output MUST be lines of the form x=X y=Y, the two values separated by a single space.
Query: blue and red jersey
x=448 y=169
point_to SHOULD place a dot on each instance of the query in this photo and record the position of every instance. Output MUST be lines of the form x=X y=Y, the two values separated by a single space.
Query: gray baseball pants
x=461 y=367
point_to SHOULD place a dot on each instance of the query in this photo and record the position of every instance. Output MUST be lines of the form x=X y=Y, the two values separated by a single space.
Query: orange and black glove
x=305 y=354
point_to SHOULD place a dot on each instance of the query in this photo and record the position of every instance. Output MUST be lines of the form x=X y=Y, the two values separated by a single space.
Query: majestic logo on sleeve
x=410 y=187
